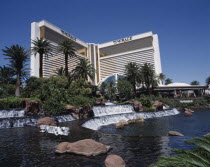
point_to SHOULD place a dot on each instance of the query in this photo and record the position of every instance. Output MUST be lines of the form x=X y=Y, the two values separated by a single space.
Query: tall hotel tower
x=107 y=58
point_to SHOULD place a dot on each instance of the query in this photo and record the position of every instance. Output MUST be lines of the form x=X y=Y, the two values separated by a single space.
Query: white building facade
x=107 y=58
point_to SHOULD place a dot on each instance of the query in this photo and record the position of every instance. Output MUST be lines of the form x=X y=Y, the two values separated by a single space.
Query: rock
x=187 y=109
x=32 y=108
x=100 y=102
x=187 y=113
x=137 y=120
x=114 y=161
x=180 y=109
x=46 y=121
x=121 y=124
x=174 y=133
x=85 y=147
x=158 y=105
x=208 y=134
x=61 y=148
x=70 y=107
x=137 y=106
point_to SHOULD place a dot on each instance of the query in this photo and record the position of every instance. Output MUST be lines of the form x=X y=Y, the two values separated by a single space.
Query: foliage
x=18 y=58
x=208 y=80
x=41 y=46
x=161 y=77
x=195 y=82
x=66 y=47
x=7 y=90
x=6 y=75
x=149 y=77
x=168 y=81
x=83 y=101
x=80 y=87
x=53 y=106
x=14 y=102
x=125 y=89
x=60 y=71
x=199 y=156
x=111 y=90
x=132 y=72
x=84 y=70
x=207 y=98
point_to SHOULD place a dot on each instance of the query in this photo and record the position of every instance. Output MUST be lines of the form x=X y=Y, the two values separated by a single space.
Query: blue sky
x=183 y=27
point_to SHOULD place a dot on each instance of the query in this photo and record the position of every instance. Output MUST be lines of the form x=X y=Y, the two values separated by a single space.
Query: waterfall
x=55 y=130
x=12 y=113
x=97 y=122
x=100 y=111
x=15 y=118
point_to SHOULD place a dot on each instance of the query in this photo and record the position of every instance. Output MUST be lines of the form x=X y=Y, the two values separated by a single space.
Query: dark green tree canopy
x=195 y=82
x=208 y=80
x=168 y=81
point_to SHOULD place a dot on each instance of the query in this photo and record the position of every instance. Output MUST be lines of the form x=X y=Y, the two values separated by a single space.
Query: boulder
x=137 y=105
x=114 y=161
x=32 y=108
x=187 y=109
x=137 y=120
x=121 y=124
x=46 y=121
x=187 y=113
x=174 y=133
x=85 y=147
x=70 y=107
x=208 y=134
x=158 y=105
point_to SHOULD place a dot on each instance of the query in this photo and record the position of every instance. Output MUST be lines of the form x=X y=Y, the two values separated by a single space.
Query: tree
x=111 y=90
x=124 y=88
x=168 y=81
x=149 y=77
x=161 y=77
x=195 y=82
x=41 y=46
x=132 y=74
x=84 y=70
x=197 y=157
x=60 y=71
x=18 y=58
x=66 y=47
x=208 y=80
x=6 y=75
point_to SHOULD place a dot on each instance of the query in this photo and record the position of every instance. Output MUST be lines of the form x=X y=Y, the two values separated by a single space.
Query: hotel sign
x=122 y=40
x=69 y=35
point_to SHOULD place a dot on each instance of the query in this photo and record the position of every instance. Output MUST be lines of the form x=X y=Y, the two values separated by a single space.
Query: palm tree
x=197 y=157
x=84 y=70
x=60 y=71
x=208 y=80
x=133 y=74
x=6 y=75
x=161 y=77
x=41 y=46
x=168 y=81
x=66 y=47
x=18 y=58
x=149 y=77
x=195 y=82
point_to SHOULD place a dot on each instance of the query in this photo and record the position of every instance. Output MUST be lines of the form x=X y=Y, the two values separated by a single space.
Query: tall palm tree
x=149 y=77
x=84 y=70
x=208 y=80
x=197 y=157
x=133 y=74
x=161 y=77
x=195 y=82
x=66 y=47
x=6 y=75
x=41 y=46
x=18 y=58
x=168 y=81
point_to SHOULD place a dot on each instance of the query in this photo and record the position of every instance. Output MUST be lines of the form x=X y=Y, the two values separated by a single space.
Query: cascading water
x=56 y=130
x=100 y=111
x=16 y=118
x=108 y=119
x=12 y=113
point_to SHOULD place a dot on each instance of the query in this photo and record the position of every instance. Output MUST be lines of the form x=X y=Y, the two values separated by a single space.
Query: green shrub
x=7 y=90
x=81 y=101
x=207 y=98
x=125 y=89
x=52 y=106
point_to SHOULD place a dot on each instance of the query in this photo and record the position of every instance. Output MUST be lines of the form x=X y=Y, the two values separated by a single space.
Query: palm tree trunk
x=41 y=66
x=66 y=65
x=17 y=90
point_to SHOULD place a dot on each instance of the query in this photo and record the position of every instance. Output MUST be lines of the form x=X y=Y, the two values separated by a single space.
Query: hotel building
x=107 y=58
